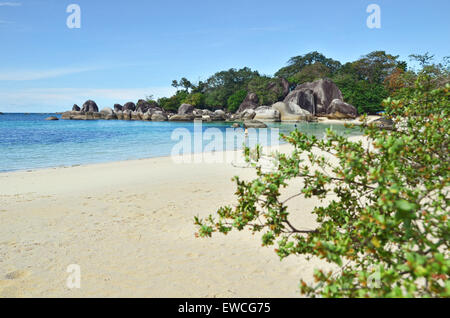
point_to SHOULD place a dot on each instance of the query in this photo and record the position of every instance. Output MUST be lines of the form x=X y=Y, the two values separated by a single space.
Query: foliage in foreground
x=386 y=218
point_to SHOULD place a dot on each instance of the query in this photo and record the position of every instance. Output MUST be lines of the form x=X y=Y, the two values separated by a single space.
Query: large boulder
x=76 y=108
x=108 y=113
x=144 y=106
x=185 y=109
x=291 y=112
x=119 y=114
x=250 y=102
x=254 y=124
x=285 y=85
x=306 y=101
x=185 y=117
x=90 y=106
x=218 y=115
x=304 y=98
x=247 y=114
x=277 y=84
x=324 y=92
x=118 y=108
x=340 y=110
x=159 y=116
x=136 y=115
x=267 y=113
x=127 y=114
x=129 y=106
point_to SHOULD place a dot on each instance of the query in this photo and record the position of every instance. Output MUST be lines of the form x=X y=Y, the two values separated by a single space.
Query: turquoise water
x=27 y=141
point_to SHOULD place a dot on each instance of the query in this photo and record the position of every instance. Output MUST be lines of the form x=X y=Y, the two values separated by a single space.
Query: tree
x=235 y=100
x=184 y=83
x=195 y=99
x=423 y=59
x=387 y=221
x=269 y=90
x=310 y=73
x=376 y=66
x=365 y=96
x=174 y=102
x=297 y=63
x=222 y=85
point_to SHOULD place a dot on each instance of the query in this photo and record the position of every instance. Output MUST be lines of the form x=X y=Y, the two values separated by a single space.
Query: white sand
x=129 y=225
x=356 y=121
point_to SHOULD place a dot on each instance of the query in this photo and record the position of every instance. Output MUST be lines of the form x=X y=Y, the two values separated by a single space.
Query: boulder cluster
x=143 y=110
x=304 y=103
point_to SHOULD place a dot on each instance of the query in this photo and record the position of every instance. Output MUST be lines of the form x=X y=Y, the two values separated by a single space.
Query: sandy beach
x=129 y=226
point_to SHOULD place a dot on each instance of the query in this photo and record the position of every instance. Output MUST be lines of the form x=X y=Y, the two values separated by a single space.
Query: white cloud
x=10 y=4
x=31 y=75
x=61 y=99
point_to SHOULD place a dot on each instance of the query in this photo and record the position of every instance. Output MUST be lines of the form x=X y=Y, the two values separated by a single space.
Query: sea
x=29 y=142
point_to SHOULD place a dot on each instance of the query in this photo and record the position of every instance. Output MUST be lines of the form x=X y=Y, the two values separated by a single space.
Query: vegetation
x=235 y=100
x=312 y=61
x=365 y=83
x=269 y=90
x=385 y=218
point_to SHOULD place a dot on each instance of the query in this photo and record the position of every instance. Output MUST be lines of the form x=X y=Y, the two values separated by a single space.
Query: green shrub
x=387 y=218
x=235 y=100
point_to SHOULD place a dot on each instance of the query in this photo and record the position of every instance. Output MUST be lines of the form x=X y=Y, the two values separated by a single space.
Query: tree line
x=365 y=83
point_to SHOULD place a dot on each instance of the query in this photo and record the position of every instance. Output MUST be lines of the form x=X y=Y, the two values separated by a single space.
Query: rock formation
x=324 y=91
x=90 y=106
x=254 y=124
x=291 y=112
x=129 y=106
x=118 y=108
x=267 y=113
x=250 y=102
x=340 y=110
x=185 y=109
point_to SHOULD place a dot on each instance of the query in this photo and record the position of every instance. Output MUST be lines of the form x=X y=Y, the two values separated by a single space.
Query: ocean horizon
x=29 y=142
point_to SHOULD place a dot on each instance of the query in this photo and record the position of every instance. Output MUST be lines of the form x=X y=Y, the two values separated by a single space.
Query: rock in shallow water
x=254 y=124
x=178 y=117
x=291 y=112
x=250 y=102
x=340 y=110
x=186 y=109
x=267 y=113
x=159 y=116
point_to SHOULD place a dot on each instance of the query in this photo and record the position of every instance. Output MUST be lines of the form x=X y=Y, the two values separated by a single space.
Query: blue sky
x=126 y=50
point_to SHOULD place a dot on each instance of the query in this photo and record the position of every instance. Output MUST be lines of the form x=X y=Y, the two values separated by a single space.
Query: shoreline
x=129 y=225
x=236 y=152
x=323 y=121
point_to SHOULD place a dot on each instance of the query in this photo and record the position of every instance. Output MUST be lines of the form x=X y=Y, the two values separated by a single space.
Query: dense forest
x=365 y=83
